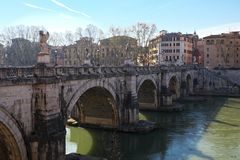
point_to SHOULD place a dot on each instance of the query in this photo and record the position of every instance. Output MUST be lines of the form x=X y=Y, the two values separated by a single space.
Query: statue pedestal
x=43 y=57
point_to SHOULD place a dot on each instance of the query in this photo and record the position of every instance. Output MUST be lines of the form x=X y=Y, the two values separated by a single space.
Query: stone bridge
x=35 y=102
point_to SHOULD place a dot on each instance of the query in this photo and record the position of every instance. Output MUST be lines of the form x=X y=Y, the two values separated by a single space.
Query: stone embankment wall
x=231 y=75
x=212 y=82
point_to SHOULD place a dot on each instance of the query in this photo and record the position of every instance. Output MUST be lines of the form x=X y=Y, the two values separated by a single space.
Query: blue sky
x=204 y=16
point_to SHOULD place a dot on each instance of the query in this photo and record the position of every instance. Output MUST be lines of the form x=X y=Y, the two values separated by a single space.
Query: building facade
x=113 y=51
x=174 y=48
x=222 y=51
x=154 y=46
x=57 y=55
x=79 y=53
x=116 y=50
x=200 y=52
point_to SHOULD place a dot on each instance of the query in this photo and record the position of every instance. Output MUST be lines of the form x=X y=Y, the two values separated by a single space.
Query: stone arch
x=144 y=79
x=12 y=144
x=147 y=94
x=174 y=87
x=95 y=100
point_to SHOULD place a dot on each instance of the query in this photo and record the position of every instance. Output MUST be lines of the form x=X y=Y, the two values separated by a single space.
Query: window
x=177 y=57
x=177 y=44
x=207 y=55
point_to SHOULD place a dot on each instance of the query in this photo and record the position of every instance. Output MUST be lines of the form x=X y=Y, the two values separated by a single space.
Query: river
x=208 y=130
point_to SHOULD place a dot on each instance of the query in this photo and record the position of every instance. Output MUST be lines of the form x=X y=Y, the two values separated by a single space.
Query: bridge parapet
x=32 y=72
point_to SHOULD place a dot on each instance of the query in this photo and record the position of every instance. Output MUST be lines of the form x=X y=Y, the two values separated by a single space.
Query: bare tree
x=93 y=32
x=26 y=32
x=21 y=52
x=78 y=33
x=143 y=33
x=57 y=39
x=114 y=31
x=70 y=37
x=118 y=31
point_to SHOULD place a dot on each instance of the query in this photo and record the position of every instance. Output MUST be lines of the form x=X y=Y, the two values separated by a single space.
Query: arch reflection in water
x=75 y=139
x=93 y=142
x=142 y=116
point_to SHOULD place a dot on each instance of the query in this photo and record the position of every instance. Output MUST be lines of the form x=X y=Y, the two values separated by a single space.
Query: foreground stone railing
x=46 y=71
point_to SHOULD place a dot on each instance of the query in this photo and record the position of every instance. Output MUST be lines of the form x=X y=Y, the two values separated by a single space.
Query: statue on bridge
x=43 y=41
x=43 y=56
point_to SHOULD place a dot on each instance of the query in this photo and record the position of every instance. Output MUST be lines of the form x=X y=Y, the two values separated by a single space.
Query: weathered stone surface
x=41 y=98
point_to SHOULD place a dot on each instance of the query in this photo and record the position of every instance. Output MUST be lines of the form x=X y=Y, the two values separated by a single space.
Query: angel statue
x=43 y=41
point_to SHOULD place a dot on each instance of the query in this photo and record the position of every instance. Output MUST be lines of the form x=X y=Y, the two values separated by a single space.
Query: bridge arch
x=12 y=144
x=147 y=94
x=174 y=87
x=95 y=104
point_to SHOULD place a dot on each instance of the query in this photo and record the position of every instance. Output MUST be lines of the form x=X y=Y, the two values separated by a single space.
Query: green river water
x=208 y=130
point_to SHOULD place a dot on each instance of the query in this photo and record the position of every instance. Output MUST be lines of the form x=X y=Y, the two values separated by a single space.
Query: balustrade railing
x=40 y=71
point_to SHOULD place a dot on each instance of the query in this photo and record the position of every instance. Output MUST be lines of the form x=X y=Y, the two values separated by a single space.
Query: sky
x=206 y=17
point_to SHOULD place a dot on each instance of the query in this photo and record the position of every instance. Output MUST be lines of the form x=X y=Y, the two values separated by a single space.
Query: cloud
x=69 y=9
x=225 y=28
x=38 y=7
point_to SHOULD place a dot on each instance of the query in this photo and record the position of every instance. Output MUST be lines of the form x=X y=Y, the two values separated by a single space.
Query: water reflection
x=208 y=130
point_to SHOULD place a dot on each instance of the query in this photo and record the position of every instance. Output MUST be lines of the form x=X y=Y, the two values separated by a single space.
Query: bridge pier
x=48 y=140
x=130 y=103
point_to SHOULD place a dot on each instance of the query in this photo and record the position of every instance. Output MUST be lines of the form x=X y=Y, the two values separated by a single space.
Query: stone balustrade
x=46 y=71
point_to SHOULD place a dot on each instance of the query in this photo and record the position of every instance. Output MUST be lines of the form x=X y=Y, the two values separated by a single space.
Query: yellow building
x=222 y=51
x=154 y=50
